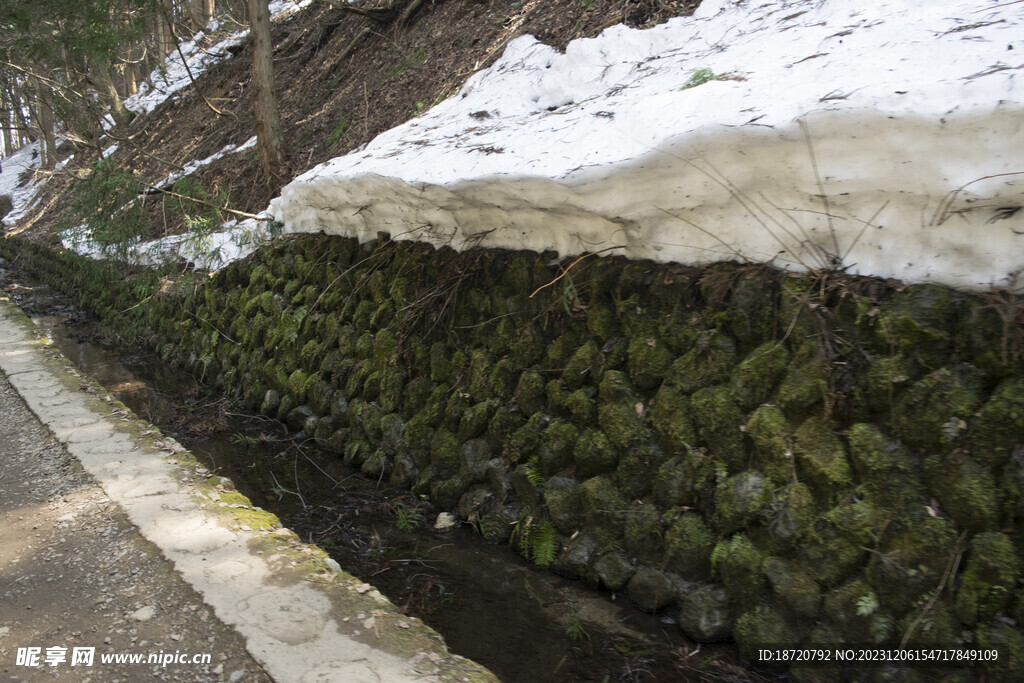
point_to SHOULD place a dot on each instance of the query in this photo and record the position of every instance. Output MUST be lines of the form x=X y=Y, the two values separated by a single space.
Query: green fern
x=541 y=543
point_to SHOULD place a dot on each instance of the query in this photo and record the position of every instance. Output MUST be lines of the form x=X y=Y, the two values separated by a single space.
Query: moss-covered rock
x=910 y=559
x=529 y=394
x=999 y=428
x=651 y=589
x=990 y=579
x=709 y=362
x=718 y=420
x=475 y=420
x=761 y=626
x=919 y=323
x=555 y=449
x=593 y=454
x=805 y=383
x=614 y=570
x=737 y=564
x=620 y=411
x=796 y=592
x=649 y=361
x=583 y=367
x=706 y=614
x=935 y=412
x=643 y=538
x=688 y=546
x=444 y=452
x=755 y=377
x=681 y=481
x=740 y=500
x=792 y=514
x=474 y=461
x=670 y=417
x=562 y=497
x=820 y=455
x=964 y=490
x=524 y=441
x=772 y=436
x=581 y=406
x=603 y=507
x=886 y=469
x=845 y=608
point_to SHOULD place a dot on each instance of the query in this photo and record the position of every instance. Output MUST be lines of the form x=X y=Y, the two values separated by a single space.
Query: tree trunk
x=269 y=141
x=49 y=142
x=105 y=84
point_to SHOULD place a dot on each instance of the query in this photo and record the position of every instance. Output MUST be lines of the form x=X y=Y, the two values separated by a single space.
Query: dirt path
x=75 y=573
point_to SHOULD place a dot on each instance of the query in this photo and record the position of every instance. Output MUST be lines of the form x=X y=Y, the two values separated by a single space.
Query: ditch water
x=491 y=605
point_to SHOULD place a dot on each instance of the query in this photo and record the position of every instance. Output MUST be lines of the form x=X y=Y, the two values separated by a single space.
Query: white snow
x=22 y=194
x=914 y=111
x=193 y=166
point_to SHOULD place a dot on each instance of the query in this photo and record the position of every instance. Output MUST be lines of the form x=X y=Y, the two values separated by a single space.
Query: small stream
x=490 y=604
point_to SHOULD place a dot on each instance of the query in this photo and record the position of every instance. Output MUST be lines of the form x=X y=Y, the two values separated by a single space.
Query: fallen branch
x=153 y=189
x=573 y=264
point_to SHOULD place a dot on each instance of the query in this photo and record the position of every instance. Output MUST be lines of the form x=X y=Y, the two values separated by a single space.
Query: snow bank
x=913 y=111
x=22 y=194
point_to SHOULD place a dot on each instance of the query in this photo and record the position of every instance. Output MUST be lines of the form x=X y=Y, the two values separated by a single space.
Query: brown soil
x=331 y=104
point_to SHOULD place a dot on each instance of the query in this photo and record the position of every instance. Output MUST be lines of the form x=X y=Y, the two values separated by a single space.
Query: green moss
x=474 y=458
x=964 y=490
x=688 y=546
x=633 y=475
x=602 y=323
x=886 y=469
x=603 y=507
x=737 y=564
x=936 y=410
x=618 y=412
x=562 y=349
x=806 y=382
x=562 y=497
x=999 y=427
x=842 y=607
x=643 y=538
x=770 y=432
x=385 y=346
x=718 y=420
x=682 y=480
x=501 y=427
x=593 y=454
x=555 y=447
x=709 y=362
x=990 y=579
x=670 y=416
x=1009 y=641
x=584 y=366
x=435 y=407
x=820 y=455
x=792 y=514
x=580 y=406
x=796 y=592
x=418 y=436
x=479 y=376
x=347 y=340
x=528 y=347
x=530 y=393
x=503 y=379
x=356 y=452
x=918 y=323
x=755 y=378
x=526 y=439
x=474 y=420
x=911 y=559
x=740 y=500
x=649 y=361
x=444 y=453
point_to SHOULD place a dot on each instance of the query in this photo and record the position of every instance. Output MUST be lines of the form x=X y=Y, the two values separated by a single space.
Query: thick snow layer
x=887 y=137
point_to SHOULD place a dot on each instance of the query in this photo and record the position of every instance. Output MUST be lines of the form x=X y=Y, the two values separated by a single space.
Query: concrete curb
x=303 y=620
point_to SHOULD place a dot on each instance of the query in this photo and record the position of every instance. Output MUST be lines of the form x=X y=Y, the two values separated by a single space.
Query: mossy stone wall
x=787 y=458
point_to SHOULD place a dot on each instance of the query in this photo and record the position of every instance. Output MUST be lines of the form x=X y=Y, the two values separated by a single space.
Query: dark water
x=491 y=605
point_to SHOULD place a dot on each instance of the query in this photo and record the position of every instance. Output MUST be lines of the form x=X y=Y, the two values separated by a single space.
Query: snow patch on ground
x=22 y=194
x=886 y=136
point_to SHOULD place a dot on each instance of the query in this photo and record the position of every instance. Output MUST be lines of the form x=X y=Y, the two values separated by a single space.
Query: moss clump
x=821 y=455
x=580 y=406
x=919 y=323
x=688 y=546
x=593 y=454
x=604 y=508
x=555 y=448
x=618 y=412
x=1010 y=643
x=562 y=497
x=999 y=428
x=937 y=409
x=528 y=347
x=718 y=419
x=756 y=377
x=805 y=383
x=562 y=349
x=526 y=439
x=792 y=514
x=768 y=428
x=911 y=559
x=842 y=606
x=633 y=475
x=797 y=593
x=886 y=470
x=737 y=563
x=440 y=363
x=990 y=579
x=709 y=362
x=740 y=500
x=602 y=323
x=643 y=533
x=503 y=379
x=480 y=369
x=614 y=570
x=760 y=627
x=706 y=615
x=474 y=420
x=417 y=437
x=444 y=452
x=649 y=361
x=530 y=393
x=681 y=480
x=964 y=490
x=670 y=416
x=583 y=367
x=474 y=460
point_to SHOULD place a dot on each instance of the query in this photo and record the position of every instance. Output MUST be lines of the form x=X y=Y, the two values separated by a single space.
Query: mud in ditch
x=491 y=605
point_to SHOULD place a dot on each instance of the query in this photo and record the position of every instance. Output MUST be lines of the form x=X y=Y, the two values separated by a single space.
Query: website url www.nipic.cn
x=86 y=656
